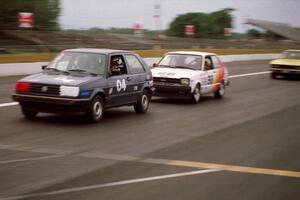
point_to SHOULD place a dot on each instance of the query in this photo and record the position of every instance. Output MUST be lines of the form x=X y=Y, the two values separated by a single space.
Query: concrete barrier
x=16 y=69
x=249 y=57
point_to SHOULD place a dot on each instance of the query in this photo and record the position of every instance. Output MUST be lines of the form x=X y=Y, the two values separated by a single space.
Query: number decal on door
x=210 y=79
x=121 y=85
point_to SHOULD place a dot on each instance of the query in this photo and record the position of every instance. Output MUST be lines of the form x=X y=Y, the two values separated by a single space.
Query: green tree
x=206 y=24
x=45 y=13
x=254 y=33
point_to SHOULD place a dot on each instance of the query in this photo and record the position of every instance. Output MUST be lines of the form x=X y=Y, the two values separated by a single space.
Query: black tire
x=219 y=94
x=273 y=75
x=96 y=109
x=142 y=105
x=28 y=113
x=196 y=95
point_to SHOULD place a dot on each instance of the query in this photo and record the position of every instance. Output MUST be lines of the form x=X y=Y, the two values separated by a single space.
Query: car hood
x=167 y=72
x=285 y=61
x=59 y=79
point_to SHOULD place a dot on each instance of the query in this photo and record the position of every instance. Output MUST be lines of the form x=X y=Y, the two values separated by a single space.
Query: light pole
x=156 y=16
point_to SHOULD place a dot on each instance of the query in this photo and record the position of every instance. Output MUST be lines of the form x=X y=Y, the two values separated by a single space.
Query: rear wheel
x=28 y=113
x=95 y=111
x=220 y=92
x=143 y=104
x=196 y=96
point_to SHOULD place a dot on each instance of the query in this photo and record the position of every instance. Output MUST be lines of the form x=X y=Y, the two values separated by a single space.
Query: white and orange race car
x=189 y=74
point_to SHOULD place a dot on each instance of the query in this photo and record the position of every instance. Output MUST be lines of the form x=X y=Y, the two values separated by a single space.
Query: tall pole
x=156 y=16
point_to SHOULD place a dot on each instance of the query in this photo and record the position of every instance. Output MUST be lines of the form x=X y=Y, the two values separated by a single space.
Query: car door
x=137 y=76
x=208 y=75
x=119 y=80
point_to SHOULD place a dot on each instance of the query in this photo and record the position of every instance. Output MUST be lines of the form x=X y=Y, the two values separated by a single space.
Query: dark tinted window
x=134 y=65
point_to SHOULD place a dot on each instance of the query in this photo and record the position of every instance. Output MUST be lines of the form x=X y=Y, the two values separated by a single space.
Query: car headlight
x=185 y=81
x=69 y=91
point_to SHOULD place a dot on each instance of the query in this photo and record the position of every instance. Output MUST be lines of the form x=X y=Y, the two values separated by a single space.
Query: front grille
x=44 y=89
x=166 y=80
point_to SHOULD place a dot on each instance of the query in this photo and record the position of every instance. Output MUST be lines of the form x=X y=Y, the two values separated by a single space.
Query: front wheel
x=95 y=111
x=220 y=92
x=143 y=104
x=28 y=113
x=273 y=75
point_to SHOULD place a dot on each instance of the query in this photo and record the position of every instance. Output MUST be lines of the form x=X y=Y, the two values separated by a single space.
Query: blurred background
x=54 y=25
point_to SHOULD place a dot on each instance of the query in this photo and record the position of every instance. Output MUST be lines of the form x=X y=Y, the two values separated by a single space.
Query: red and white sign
x=189 y=30
x=25 y=20
x=227 y=31
x=137 y=28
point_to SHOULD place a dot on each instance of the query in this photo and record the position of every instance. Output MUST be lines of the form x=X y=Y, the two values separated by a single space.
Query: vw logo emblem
x=44 y=89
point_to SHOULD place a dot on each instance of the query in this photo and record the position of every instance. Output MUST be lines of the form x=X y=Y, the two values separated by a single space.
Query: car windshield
x=89 y=63
x=292 y=55
x=181 y=61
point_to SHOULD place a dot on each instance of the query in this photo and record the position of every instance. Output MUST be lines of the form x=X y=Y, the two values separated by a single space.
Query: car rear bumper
x=172 y=91
x=51 y=104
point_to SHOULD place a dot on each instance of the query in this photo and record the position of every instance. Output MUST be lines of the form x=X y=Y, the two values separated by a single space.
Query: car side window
x=216 y=62
x=134 y=65
x=208 y=64
x=117 y=65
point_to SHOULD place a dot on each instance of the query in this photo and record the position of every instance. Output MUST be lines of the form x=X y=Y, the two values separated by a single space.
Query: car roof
x=198 y=53
x=94 y=50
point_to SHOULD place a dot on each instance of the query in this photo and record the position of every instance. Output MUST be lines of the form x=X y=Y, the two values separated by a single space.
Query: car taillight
x=22 y=87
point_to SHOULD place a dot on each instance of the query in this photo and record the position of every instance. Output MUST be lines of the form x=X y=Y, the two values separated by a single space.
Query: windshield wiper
x=55 y=69
x=164 y=66
x=82 y=71
x=184 y=67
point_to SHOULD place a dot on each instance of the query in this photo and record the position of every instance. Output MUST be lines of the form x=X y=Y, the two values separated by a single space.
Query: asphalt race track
x=245 y=146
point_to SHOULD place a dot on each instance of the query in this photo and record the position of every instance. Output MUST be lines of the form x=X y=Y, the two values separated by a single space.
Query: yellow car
x=289 y=65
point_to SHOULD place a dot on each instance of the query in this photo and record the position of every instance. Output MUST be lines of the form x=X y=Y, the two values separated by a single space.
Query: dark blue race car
x=87 y=81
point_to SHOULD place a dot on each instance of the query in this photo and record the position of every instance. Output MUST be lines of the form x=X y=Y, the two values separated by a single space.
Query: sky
x=85 y=14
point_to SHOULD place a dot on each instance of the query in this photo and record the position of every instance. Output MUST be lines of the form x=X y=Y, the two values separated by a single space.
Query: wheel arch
x=100 y=93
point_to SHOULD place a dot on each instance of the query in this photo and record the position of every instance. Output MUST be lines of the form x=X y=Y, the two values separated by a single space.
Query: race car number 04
x=121 y=85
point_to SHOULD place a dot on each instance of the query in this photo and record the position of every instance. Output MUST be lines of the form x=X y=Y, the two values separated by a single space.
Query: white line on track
x=250 y=74
x=30 y=159
x=9 y=104
x=118 y=183
x=232 y=76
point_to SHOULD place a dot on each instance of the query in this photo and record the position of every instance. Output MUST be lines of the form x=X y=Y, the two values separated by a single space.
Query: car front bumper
x=51 y=104
x=285 y=71
x=172 y=91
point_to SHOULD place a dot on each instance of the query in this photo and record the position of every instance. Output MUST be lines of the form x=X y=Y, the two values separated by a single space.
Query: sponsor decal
x=166 y=73
x=110 y=91
x=218 y=79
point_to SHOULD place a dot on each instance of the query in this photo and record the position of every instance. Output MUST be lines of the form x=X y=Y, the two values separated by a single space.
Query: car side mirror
x=155 y=65
x=44 y=67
